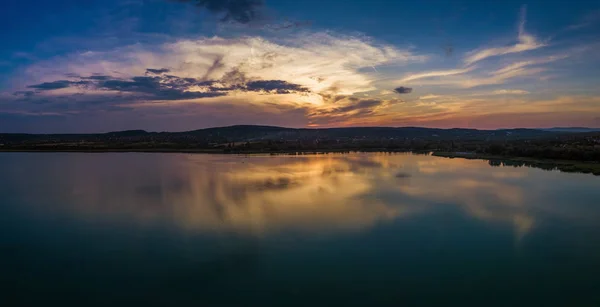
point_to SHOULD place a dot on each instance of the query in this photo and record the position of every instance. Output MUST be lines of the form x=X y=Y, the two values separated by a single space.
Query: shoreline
x=211 y=151
x=568 y=166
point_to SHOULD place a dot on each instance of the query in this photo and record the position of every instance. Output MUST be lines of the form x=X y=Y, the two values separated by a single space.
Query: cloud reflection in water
x=263 y=195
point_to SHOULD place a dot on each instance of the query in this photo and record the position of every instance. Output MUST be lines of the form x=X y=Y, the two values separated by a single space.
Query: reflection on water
x=264 y=194
x=389 y=214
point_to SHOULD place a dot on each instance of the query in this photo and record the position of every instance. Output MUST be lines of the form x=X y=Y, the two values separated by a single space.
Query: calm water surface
x=314 y=230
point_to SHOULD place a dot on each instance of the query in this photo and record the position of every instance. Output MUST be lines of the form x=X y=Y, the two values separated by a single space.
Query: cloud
x=403 y=90
x=360 y=105
x=96 y=77
x=512 y=67
x=438 y=73
x=510 y=92
x=521 y=64
x=275 y=86
x=349 y=109
x=286 y=25
x=24 y=93
x=499 y=78
x=241 y=11
x=320 y=62
x=525 y=42
x=514 y=70
x=286 y=74
x=292 y=76
x=157 y=71
x=55 y=85
x=430 y=96
x=169 y=87
x=158 y=88
x=589 y=19
x=527 y=68
x=216 y=65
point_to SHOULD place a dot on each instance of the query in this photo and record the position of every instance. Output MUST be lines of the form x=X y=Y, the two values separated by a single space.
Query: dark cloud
x=41 y=101
x=24 y=93
x=361 y=104
x=275 y=86
x=96 y=77
x=358 y=107
x=54 y=85
x=403 y=175
x=217 y=64
x=403 y=90
x=332 y=98
x=157 y=71
x=235 y=76
x=241 y=11
x=337 y=98
x=352 y=109
x=160 y=86
x=157 y=88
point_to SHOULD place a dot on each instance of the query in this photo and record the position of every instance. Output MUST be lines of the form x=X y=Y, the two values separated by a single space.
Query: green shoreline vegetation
x=567 y=166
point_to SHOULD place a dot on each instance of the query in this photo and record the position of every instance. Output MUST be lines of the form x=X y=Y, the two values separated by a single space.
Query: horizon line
x=305 y=128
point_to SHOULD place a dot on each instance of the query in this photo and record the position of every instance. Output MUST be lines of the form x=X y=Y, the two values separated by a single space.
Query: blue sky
x=298 y=63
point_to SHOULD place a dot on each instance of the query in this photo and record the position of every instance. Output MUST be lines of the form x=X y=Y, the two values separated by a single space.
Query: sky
x=71 y=66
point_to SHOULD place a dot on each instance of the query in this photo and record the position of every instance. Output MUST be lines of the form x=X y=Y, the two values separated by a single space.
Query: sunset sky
x=175 y=65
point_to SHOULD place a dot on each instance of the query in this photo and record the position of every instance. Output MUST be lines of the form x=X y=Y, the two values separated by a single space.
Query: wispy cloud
x=589 y=19
x=525 y=42
x=526 y=68
x=349 y=109
x=472 y=75
x=500 y=78
x=437 y=73
x=521 y=64
x=510 y=92
x=430 y=96
x=514 y=70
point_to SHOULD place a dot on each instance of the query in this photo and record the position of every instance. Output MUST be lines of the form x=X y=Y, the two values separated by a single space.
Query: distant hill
x=243 y=133
x=534 y=143
x=249 y=133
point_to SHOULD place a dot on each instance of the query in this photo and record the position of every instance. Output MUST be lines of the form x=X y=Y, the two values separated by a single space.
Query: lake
x=365 y=229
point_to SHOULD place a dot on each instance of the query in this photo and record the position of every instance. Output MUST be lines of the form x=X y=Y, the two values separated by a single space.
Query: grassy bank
x=547 y=164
